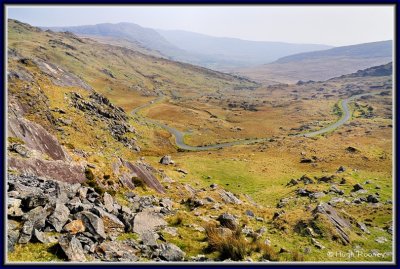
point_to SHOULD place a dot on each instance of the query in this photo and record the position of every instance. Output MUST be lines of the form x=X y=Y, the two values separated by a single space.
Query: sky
x=330 y=25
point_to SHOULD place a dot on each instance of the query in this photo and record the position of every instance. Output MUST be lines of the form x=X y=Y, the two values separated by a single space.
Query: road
x=179 y=135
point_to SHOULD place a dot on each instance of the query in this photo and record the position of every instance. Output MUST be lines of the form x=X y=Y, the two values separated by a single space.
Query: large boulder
x=147 y=221
x=59 y=217
x=93 y=224
x=72 y=248
x=170 y=252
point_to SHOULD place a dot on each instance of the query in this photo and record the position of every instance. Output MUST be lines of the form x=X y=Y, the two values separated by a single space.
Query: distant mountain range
x=322 y=65
x=212 y=52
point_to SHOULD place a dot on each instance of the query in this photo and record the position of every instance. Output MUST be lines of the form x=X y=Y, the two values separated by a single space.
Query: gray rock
x=12 y=234
x=229 y=197
x=381 y=240
x=357 y=187
x=14 y=207
x=170 y=252
x=341 y=169
x=72 y=248
x=316 y=195
x=93 y=224
x=35 y=200
x=227 y=220
x=317 y=244
x=38 y=236
x=115 y=251
x=335 y=189
x=166 y=160
x=249 y=213
x=340 y=224
x=108 y=202
x=59 y=217
x=147 y=221
x=149 y=238
x=372 y=199
x=112 y=224
x=363 y=227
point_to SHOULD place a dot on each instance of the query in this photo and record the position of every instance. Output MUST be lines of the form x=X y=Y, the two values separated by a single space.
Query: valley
x=118 y=154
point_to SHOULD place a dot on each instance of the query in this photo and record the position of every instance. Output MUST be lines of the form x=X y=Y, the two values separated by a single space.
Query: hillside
x=211 y=52
x=322 y=65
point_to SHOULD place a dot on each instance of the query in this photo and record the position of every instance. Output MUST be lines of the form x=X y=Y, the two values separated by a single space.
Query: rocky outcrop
x=85 y=224
x=341 y=225
x=101 y=108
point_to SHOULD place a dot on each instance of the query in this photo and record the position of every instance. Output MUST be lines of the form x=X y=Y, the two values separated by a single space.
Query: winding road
x=179 y=135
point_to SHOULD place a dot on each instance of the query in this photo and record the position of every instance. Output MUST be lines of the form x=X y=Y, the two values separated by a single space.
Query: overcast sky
x=332 y=25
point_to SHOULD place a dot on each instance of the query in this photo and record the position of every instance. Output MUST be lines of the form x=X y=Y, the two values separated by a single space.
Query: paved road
x=179 y=135
x=345 y=117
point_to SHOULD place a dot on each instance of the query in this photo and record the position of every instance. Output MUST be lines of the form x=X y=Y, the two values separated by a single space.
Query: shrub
x=230 y=246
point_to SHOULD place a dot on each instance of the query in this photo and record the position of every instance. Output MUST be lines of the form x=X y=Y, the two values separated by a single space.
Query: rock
x=316 y=195
x=34 y=200
x=82 y=192
x=381 y=240
x=303 y=192
x=12 y=234
x=306 y=180
x=335 y=189
x=372 y=199
x=38 y=236
x=363 y=227
x=72 y=248
x=352 y=149
x=171 y=230
x=108 y=202
x=166 y=203
x=116 y=251
x=229 y=197
x=147 y=221
x=75 y=226
x=149 y=238
x=34 y=219
x=282 y=202
x=111 y=223
x=166 y=160
x=249 y=213
x=327 y=179
x=336 y=200
x=170 y=252
x=227 y=220
x=20 y=149
x=14 y=207
x=292 y=182
x=341 y=225
x=341 y=169
x=278 y=214
x=317 y=244
x=182 y=171
x=357 y=187
x=343 y=181
x=59 y=217
x=213 y=185
x=93 y=224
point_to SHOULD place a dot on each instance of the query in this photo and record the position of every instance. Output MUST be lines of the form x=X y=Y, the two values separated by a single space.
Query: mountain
x=211 y=52
x=322 y=65
x=243 y=52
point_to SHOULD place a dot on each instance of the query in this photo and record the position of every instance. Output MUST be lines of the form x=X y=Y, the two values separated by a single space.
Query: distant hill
x=375 y=71
x=212 y=52
x=242 y=52
x=322 y=65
